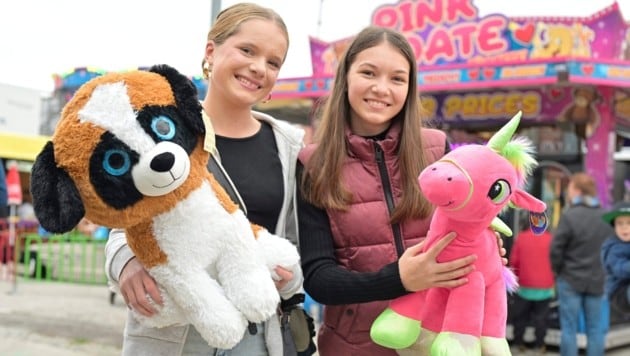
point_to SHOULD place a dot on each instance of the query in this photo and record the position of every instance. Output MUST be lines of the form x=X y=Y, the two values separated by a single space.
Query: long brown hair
x=230 y=19
x=322 y=175
x=584 y=183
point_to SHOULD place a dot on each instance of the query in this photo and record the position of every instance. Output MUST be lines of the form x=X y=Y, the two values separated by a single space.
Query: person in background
x=577 y=266
x=361 y=213
x=86 y=227
x=529 y=259
x=244 y=52
x=4 y=194
x=616 y=258
x=26 y=212
x=5 y=251
x=95 y=231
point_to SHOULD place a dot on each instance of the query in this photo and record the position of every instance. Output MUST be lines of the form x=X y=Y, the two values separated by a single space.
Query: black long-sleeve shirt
x=324 y=279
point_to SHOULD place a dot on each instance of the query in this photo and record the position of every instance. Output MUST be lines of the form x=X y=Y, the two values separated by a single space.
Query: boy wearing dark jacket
x=616 y=258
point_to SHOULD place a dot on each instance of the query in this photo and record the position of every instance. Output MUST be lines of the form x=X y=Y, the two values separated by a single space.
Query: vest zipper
x=389 y=197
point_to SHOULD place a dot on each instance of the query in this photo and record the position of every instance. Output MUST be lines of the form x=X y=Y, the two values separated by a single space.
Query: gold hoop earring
x=206 y=70
x=267 y=99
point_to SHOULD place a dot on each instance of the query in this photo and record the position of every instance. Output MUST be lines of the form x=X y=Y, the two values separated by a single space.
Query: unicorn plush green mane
x=469 y=187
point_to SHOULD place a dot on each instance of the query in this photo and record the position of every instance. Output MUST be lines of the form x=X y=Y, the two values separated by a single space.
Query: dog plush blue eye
x=164 y=127
x=116 y=162
x=499 y=191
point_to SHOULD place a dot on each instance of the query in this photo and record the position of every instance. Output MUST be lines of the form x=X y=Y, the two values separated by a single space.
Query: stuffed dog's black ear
x=56 y=200
x=185 y=93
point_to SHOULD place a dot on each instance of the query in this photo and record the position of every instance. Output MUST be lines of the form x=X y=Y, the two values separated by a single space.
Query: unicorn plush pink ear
x=522 y=199
x=537 y=218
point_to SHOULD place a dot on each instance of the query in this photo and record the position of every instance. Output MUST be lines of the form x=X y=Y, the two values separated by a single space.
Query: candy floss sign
x=445 y=31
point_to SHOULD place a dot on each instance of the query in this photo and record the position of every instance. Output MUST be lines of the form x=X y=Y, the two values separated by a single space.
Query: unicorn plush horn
x=504 y=135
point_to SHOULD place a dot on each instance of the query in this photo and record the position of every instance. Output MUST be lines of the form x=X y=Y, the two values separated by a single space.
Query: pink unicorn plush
x=469 y=187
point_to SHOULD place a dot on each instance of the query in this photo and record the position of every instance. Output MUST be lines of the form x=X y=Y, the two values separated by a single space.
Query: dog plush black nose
x=163 y=162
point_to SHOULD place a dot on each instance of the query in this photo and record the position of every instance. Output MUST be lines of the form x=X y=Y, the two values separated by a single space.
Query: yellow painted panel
x=21 y=147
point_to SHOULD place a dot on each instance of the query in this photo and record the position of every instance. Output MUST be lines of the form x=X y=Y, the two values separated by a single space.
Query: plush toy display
x=469 y=187
x=128 y=153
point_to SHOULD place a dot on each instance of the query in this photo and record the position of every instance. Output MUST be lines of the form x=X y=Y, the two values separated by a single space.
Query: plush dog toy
x=469 y=186
x=128 y=153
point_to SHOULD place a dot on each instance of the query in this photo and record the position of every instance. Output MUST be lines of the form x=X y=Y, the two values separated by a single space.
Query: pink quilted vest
x=368 y=247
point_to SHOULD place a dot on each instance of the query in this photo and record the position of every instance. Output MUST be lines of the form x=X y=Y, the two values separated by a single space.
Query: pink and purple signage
x=451 y=31
x=539 y=105
x=571 y=117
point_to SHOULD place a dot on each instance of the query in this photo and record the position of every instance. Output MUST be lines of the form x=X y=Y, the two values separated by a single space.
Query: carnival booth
x=569 y=76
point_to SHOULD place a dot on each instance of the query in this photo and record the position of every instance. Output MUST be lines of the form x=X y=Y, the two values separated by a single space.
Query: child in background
x=530 y=260
x=616 y=258
x=86 y=227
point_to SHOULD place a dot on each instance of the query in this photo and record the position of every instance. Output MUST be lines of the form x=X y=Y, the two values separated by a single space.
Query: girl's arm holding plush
x=329 y=283
x=117 y=255
x=127 y=276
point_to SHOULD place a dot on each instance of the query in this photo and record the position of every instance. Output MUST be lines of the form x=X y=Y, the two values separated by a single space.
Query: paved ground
x=60 y=319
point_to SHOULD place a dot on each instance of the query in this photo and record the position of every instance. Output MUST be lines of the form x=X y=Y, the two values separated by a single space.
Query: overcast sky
x=41 y=37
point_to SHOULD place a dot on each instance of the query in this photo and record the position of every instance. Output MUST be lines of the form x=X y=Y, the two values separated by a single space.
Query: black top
x=324 y=279
x=256 y=171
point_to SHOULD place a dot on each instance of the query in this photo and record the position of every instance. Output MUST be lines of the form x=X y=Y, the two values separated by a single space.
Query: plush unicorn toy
x=469 y=186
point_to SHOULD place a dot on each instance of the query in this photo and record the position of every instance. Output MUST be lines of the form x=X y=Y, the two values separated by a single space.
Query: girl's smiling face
x=378 y=83
x=622 y=227
x=245 y=67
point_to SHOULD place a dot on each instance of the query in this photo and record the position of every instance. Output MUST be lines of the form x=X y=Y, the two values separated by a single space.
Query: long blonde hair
x=322 y=175
x=230 y=19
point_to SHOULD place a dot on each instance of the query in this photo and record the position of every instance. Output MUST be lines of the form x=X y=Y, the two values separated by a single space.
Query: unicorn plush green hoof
x=493 y=346
x=394 y=331
x=449 y=344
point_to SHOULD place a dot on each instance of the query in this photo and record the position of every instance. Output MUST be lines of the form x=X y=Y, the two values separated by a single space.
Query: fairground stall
x=569 y=76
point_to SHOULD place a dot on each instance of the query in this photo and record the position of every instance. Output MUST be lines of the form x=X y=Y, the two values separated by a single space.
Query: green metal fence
x=71 y=257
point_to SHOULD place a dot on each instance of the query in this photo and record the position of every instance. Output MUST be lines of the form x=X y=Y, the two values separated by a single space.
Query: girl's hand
x=420 y=271
x=137 y=286
x=285 y=277
x=502 y=250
